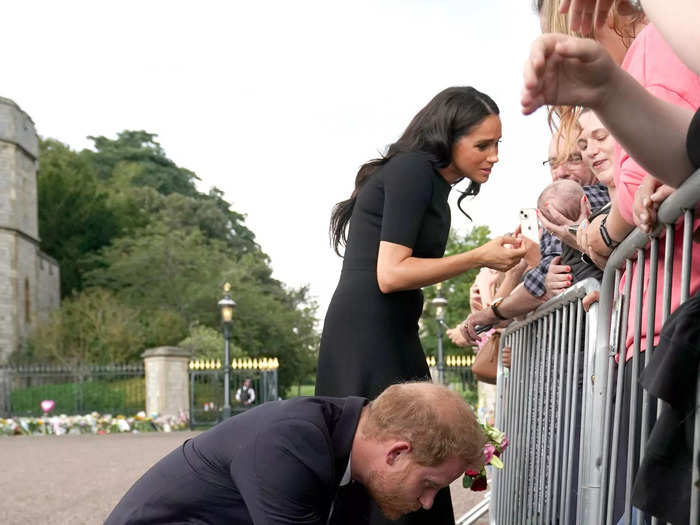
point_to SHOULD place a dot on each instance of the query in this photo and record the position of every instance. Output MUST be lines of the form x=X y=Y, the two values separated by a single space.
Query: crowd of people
x=623 y=89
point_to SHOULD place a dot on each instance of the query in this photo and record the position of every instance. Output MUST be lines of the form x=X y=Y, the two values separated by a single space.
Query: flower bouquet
x=496 y=443
x=93 y=423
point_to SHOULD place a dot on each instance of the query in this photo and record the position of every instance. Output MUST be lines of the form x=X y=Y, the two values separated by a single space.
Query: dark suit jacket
x=277 y=463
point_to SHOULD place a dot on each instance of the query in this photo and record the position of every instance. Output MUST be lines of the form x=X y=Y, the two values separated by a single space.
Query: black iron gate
x=207 y=387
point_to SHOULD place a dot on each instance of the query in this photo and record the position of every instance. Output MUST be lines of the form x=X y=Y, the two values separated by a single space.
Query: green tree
x=183 y=271
x=207 y=343
x=125 y=220
x=90 y=327
x=74 y=214
x=140 y=148
x=455 y=290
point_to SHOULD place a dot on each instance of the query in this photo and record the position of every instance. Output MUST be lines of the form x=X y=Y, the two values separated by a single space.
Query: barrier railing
x=540 y=405
x=539 y=399
x=614 y=311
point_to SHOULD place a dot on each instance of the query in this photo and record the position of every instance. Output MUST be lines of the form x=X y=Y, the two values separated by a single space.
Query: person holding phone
x=394 y=227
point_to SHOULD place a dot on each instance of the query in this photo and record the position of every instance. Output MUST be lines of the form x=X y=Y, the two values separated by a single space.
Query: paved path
x=79 y=479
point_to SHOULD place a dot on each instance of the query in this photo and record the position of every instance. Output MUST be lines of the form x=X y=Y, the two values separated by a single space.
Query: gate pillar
x=167 y=380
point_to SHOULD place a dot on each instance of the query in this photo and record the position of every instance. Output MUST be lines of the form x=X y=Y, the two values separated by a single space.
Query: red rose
x=479 y=484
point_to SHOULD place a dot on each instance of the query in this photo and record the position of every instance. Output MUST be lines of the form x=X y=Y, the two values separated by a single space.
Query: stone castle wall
x=19 y=149
x=8 y=293
x=29 y=279
x=49 y=285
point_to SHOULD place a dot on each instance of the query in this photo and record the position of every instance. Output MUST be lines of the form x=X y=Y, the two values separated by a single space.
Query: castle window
x=27 y=304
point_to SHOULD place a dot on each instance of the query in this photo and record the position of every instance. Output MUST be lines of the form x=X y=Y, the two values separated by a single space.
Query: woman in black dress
x=399 y=220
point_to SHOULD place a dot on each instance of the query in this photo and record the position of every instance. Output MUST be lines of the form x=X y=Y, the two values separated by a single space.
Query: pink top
x=653 y=64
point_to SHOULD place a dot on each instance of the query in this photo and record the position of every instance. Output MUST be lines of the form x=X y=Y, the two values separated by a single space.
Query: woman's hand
x=558 y=277
x=564 y=70
x=647 y=199
x=591 y=297
x=591 y=242
x=494 y=254
x=455 y=335
x=506 y=356
x=481 y=318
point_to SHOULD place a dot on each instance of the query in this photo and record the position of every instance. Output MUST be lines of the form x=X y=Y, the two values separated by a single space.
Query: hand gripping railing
x=597 y=490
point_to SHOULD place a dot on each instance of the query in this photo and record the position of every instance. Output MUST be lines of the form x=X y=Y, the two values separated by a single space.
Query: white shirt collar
x=347 y=476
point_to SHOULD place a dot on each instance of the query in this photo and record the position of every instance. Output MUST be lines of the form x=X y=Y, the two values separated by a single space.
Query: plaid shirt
x=550 y=246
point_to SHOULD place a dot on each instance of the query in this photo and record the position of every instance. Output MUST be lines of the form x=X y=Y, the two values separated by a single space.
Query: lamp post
x=440 y=304
x=226 y=306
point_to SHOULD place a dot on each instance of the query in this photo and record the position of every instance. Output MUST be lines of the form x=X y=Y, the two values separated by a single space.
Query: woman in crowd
x=399 y=219
x=597 y=147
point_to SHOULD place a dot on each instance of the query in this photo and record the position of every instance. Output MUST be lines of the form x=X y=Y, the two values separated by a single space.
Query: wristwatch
x=609 y=242
x=494 y=308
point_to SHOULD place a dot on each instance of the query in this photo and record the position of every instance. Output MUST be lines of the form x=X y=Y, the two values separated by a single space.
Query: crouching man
x=313 y=460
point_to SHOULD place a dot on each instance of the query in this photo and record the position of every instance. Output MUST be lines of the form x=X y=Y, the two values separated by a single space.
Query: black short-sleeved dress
x=370 y=339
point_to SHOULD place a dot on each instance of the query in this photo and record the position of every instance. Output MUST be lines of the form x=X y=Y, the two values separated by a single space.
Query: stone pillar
x=167 y=380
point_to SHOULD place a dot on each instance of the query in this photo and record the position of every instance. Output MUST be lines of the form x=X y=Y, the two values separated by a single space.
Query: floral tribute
x=496 y=443
x=91 y=424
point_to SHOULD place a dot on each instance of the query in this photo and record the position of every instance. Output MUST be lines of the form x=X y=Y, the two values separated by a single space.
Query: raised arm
x=564 y=70
x=398 y=270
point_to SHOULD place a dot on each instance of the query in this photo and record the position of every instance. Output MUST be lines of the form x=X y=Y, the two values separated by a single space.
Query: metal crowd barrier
x=564 y=371
x=540 y=405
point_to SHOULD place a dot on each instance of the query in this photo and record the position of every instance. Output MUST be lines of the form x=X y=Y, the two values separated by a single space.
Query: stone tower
x=29 y=279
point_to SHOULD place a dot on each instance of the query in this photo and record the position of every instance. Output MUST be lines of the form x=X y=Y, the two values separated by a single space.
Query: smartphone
x=480 y=329
x=528 y=224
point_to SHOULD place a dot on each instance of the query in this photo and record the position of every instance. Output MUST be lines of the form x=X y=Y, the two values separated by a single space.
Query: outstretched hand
x=564 y=70
x=497 y=255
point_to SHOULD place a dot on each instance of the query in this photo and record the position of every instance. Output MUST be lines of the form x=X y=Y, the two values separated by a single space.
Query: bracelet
x=609 y=241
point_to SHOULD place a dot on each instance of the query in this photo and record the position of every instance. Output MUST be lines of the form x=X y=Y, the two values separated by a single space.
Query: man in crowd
x=314 y=460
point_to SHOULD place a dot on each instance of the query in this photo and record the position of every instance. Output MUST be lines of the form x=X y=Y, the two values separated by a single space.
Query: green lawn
x=121 y=396
x=300 y=390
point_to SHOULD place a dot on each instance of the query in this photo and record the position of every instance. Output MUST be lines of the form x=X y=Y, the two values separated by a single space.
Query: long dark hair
x=450 y=115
